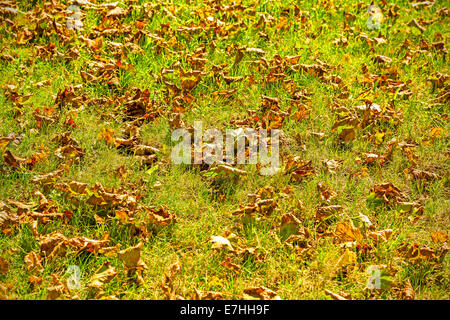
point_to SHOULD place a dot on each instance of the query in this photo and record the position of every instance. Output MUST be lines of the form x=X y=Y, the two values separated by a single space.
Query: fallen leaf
x=104 y=274
x=347 y=259
x=439 y=237
x=131 y=256
x=219 y=242
x=332 y=165
x=4 y=266
x=230 y=265
x=326 y=193
x=328 y=211
x=262 y=293
x=206 y=295
x=380 y=236
x=33 y=262
x=333 y=295
x=346 y=233
x=408 y=291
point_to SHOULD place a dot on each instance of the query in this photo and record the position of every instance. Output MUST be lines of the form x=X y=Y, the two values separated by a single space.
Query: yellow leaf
x=4 y=141
x=219 y=242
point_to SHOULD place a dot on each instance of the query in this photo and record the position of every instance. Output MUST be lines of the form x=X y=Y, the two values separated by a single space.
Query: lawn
x=92 y=205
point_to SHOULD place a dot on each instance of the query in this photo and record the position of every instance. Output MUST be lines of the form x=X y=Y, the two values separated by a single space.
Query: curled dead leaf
x=408 y=291
x=33 y=262
x=262 y=292
x=219 y=242
x=345 y=232
x=4 y=266
x=206 y=295
x=439 y=237
x=380 y=236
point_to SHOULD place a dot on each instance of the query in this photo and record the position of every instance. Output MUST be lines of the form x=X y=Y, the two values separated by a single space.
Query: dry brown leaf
x=219 y=242
x=5 y=289
x=13 y=160
x=347 y=259
x=380 y=236
x=4 y=266
x=229 y=80
x=8 y=218
x=229 y=170
x=230 y=265
x=53 y=244
x=388 y=192
x=439 y=237
x=408 y=291
x=131 y=256
x=328 y=211
x=35 y=281
x=332 y=165
x=159 y=217
x=347 y=135
x=58 y=289
x=102 y=275
x=47 y=178
x=107 y=135
x=381 y=59
x=262 y=293
x=326 y=193
x=290 y=225
x=333 y=295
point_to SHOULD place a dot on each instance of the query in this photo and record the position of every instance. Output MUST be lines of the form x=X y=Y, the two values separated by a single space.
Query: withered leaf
x=289 y=225
x=206 y=295
x=33 y=262
x=229 y=80
x=381 y=59
x=408 y=291
x=229 y=170
x=333 y=295
x=347 y=259
x=327 y=211
x=332 y=165
x=230 y=265
x=102 y=275
x=8 y=218
x=219 y=242
x=347 y=233
x=387 y=192
x=380 y=236
x=439 y=237
x=131 y=256
x=4 y=266
x=262 y=292
x=326 y=192
x=159 y=217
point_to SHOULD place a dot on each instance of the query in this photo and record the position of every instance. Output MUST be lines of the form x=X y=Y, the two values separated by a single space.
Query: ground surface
x=363 y=184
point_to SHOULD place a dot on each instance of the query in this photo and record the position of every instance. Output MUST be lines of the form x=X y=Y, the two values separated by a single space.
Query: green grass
x=190 y=194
